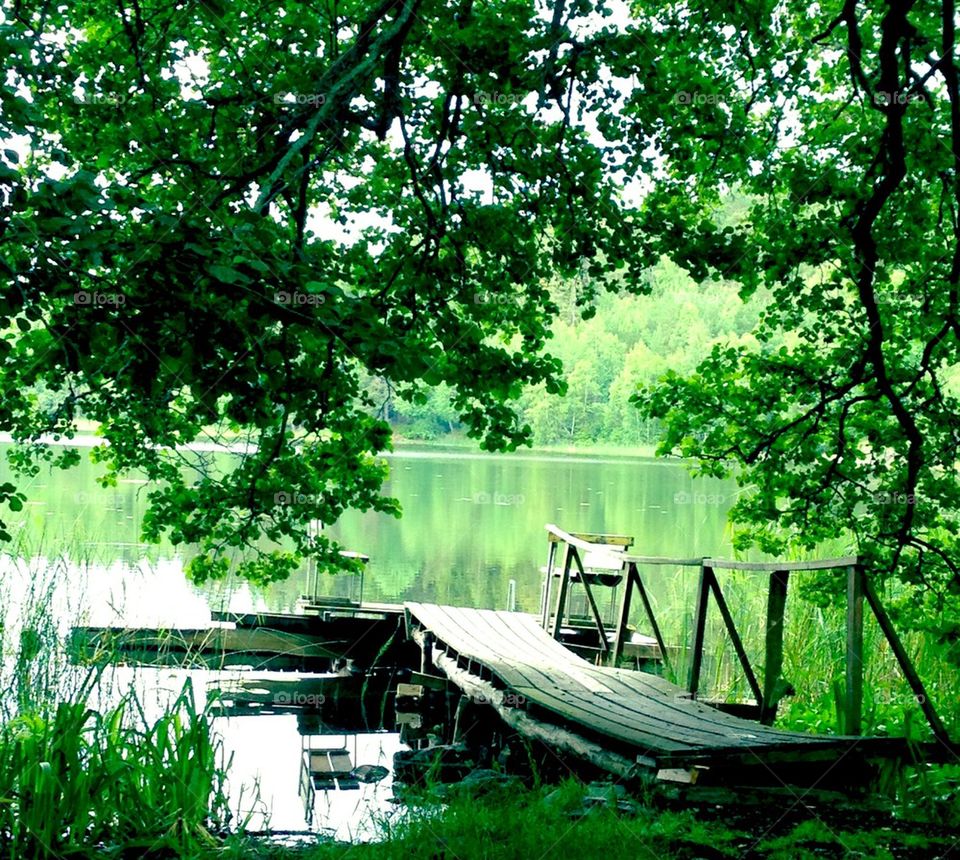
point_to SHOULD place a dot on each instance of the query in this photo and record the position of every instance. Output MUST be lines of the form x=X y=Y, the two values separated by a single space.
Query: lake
x=472 y=523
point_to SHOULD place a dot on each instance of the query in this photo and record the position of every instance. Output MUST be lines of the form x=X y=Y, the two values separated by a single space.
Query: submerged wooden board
x=261 y=640
x=628 y=711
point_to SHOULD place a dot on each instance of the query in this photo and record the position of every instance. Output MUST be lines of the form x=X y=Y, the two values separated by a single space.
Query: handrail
x=628 y=558
x=773 y=566
x=561 y=536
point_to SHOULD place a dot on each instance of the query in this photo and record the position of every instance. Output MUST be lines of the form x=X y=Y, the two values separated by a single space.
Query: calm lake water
x=472 y=523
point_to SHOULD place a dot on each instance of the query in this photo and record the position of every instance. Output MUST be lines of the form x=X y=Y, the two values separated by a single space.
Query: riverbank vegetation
x=629 y=341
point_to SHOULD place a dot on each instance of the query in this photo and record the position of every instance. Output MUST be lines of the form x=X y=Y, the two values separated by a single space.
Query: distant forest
x=632 y=340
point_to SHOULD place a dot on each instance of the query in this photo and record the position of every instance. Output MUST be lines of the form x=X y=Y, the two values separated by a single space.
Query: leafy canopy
x=840 y=124
x=232 y=213
x=172 y=268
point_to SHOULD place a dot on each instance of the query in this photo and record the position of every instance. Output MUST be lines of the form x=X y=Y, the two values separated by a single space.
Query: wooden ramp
x=622 y=720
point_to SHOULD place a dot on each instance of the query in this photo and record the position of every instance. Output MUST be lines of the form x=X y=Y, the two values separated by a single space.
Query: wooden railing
x=613 y=550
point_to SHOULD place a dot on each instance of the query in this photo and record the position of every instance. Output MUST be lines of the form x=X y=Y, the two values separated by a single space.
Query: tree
x=840 y=124
x=231 y=213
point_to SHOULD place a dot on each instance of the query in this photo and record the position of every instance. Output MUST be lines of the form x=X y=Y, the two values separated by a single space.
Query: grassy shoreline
x=552 y=821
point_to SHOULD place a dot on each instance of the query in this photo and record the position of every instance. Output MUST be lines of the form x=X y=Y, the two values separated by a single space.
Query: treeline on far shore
x=632 y=340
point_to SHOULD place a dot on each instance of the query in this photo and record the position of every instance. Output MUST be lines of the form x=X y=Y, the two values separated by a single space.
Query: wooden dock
x=557 y=678
x=620 y=720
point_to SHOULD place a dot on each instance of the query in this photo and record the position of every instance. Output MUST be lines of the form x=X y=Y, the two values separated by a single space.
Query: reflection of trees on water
x=470 y=525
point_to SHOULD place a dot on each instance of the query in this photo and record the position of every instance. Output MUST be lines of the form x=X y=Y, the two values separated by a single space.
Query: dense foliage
x=841 y=123
x=231 y=213
x=237 y=218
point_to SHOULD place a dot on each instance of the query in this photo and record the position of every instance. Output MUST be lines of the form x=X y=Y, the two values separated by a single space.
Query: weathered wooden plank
x=208 y=639
x=555 y=736
x=556 y=535
x=577 y=692
x=518 y=640
x=586 y=693
x=660 y=560
x=624 y=713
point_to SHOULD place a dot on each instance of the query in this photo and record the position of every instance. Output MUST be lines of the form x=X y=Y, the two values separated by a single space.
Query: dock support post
x=699 y=629
x=853 y=694
x=773 y=657
x=562 y=595
x=598 y=621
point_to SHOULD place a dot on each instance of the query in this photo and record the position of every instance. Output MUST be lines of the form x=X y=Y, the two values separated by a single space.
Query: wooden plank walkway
x=637 y=716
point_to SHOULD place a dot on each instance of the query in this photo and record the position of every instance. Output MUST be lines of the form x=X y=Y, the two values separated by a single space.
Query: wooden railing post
x=545 y=608
x=699 y=629
x=853 y=693
x=621 y=634
x=773 y=650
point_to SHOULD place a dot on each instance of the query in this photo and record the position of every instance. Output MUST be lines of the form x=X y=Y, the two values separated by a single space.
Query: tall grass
x=81 y=778
x=75 y=779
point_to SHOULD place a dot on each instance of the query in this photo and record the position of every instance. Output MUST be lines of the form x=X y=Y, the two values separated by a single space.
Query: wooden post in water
x=621 y=633
x=773 y=660
x=699 y=629
x=426 y=655
x=598 y=621
x=853 y=694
